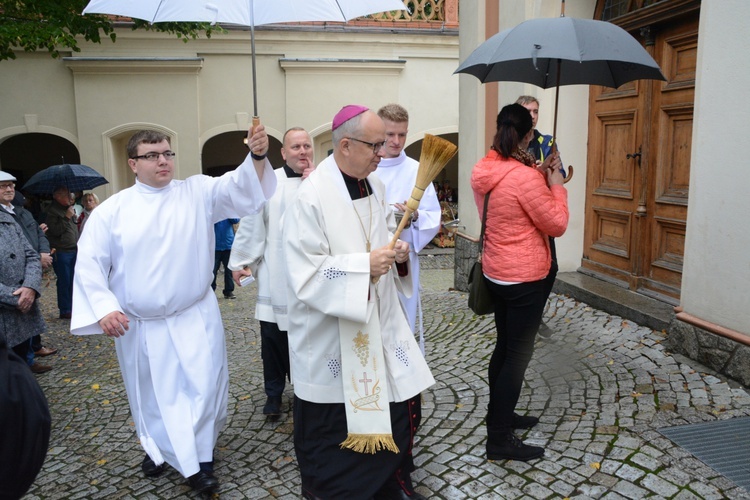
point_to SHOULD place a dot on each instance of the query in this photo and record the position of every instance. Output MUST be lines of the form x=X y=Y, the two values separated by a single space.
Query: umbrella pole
x=569 y=175
x=557 y=100
x=256 y=119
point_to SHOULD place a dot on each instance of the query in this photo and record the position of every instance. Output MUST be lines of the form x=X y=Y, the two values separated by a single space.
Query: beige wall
x=197 y=90
x=716 y=273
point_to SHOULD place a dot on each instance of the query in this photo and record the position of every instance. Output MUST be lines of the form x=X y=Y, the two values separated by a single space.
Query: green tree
x=55 y=25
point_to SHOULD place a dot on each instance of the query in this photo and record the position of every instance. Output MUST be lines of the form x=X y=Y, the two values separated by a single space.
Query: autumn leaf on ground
x=101 y=462
x=95 y=387
x=596 y=465
x=637 y=394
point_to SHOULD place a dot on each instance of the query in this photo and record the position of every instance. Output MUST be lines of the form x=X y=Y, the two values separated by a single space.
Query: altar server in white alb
x=356 y=367
x=399 y=174
x=258 y=251
x=143 y=276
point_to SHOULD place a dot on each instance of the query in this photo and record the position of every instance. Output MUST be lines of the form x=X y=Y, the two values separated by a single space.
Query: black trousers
x=274 y=350
x=518 y=314
x=222 y=257
x=22 y=349
x=549 y=280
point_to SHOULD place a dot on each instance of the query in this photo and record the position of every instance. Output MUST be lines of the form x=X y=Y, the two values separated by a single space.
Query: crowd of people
x=339 y=309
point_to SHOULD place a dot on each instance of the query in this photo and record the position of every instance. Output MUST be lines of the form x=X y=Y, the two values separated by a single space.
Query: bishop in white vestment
x=143 y=276
x=355 y=362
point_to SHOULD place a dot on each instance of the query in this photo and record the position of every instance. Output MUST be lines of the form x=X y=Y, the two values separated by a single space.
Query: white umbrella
x=243 y=13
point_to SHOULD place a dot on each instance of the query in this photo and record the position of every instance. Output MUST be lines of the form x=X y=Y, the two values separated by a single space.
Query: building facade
x=83 y=107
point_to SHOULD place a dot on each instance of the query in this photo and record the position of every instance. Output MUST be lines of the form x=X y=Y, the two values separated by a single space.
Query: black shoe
x=203 y=482
x=545 y=331
x=150 y=469
x=507 y=446
x=272 y=409
x=523 y=421
x=230 y=296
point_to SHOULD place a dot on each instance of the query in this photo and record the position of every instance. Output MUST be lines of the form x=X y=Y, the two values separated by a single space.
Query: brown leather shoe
x=37 y=368
x=45 y=351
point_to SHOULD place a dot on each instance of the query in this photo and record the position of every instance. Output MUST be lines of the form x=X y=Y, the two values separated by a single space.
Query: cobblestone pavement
x=602 y=387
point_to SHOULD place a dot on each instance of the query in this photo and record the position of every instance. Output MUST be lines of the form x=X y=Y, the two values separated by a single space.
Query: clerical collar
x=392 y=162
x=357 y=188
x=145 y=188
x=289 y=172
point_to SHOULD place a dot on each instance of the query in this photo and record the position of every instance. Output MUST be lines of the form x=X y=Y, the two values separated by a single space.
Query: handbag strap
x=484 y=224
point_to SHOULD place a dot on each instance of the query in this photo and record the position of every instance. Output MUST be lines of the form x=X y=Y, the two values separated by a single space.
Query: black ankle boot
x=523 y=421
x=507 y=446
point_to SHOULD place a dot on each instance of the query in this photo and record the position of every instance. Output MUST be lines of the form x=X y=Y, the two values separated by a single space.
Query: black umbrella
x=550 y=52
x=74 y=177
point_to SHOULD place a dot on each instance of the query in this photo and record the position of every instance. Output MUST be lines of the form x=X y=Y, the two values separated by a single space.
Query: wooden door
x=639 y=166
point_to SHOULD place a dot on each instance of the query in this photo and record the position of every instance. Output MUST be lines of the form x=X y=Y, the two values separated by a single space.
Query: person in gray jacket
x=13 y=202
x=20 y=284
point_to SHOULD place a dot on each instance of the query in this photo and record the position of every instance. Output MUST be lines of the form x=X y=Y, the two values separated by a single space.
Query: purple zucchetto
x=347 y=113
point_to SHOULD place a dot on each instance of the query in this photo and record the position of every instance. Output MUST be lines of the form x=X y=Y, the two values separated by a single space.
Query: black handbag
x=480 y=298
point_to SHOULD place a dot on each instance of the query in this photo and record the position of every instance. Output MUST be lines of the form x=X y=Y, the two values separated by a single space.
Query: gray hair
x=349 y=128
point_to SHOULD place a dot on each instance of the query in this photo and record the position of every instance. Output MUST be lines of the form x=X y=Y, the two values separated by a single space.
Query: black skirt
x=329 y=472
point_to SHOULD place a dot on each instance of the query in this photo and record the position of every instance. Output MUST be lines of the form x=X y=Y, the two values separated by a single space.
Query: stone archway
x=224 y=152
x=25 y=154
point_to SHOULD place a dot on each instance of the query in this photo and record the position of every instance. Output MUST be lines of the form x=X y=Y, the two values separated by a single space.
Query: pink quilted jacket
x=521 y=213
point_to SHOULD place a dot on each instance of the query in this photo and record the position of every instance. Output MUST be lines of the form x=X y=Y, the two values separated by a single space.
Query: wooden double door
x=638 y=167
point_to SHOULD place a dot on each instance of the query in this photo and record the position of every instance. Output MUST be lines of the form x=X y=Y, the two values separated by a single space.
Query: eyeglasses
x=153 y=156
x=376 y=146
x=5 y=186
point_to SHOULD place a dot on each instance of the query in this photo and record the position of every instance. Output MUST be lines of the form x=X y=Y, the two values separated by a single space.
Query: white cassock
x=258 y=245
x=399 y=176
x=328 y=271
x=149 y=253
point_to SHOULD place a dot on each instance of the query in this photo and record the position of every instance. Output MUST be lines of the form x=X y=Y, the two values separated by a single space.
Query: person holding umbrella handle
x=543 y=147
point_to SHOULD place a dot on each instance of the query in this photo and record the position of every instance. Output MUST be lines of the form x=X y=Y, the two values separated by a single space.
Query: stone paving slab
x=602 y=387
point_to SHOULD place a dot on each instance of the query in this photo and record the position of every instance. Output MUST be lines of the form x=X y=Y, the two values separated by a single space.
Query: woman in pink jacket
x=527 y=204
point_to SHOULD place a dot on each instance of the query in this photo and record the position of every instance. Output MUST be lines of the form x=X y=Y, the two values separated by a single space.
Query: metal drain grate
x=723 y=445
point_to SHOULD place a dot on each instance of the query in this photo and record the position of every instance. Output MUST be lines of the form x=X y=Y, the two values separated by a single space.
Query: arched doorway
x=446 y=186
x=638 y=166
x=24 y=155
x=224 y=152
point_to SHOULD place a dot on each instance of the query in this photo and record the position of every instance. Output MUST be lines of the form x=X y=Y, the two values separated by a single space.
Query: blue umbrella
x=74 y=177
